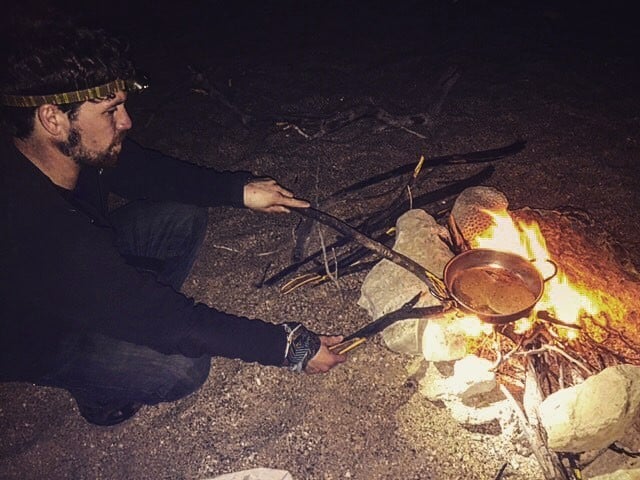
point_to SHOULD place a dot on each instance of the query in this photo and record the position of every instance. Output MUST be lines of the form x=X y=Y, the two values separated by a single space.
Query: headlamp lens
x=138 y=84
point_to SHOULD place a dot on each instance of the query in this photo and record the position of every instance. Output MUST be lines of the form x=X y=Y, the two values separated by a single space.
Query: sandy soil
x=563 y=79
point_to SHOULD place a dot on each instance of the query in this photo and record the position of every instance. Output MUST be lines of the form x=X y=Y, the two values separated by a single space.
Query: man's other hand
x=325 y=359
x=265 y=195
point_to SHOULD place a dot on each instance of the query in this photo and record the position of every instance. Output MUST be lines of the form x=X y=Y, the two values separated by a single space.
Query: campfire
x=540 y=362
x=563 y=363
x=550 y=342
x=565 y=301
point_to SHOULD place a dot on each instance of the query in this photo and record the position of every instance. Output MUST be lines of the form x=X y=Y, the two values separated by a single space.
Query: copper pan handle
x=549 y=261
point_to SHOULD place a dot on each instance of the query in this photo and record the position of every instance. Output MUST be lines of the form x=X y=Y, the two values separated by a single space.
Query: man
x=90 y=297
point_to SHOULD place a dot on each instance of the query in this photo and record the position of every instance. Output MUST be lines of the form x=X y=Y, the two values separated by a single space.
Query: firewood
x=433 y=283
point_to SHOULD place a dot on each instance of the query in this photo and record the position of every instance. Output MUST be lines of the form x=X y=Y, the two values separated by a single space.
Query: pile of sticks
x=350 y=253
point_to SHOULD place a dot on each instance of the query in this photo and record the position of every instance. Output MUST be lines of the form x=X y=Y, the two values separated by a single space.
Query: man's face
x=97 y=131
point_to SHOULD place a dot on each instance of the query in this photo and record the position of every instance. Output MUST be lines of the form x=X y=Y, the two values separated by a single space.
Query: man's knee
x=194 y=219
x=200 y=217
x=189 y=374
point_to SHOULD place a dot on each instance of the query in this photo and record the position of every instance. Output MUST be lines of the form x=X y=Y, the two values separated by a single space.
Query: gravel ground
x=561 y=78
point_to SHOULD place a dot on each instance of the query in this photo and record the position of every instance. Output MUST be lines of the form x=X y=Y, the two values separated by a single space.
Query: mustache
x=120 y=138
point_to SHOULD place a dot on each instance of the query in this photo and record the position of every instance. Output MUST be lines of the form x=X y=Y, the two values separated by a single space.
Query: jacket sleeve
x=145 y=173
x=74 y=277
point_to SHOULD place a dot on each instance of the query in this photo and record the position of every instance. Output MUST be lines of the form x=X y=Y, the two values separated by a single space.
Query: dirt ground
x=564 y=79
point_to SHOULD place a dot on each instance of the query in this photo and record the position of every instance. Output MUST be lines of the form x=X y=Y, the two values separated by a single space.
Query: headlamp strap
x=101 y=91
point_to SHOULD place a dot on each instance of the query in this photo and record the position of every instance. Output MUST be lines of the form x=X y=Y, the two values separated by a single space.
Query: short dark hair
x=49 y=60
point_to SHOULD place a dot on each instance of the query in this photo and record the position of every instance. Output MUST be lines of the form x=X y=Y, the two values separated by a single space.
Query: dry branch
x=482 y=156
x=431 y=281
x=382 y=220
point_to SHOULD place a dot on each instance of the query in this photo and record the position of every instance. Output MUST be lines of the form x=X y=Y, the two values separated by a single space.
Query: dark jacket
x=61 y=273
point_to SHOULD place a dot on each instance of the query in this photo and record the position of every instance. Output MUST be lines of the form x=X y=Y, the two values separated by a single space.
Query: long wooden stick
x=435 y=285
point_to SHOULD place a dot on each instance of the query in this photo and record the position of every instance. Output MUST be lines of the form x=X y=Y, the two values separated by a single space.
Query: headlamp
x=101 y=91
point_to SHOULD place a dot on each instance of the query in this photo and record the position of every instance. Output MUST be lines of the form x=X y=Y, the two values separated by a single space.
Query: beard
x=73 y=148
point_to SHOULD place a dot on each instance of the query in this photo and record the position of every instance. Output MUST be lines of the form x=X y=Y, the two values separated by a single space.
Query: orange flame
x=565 y=301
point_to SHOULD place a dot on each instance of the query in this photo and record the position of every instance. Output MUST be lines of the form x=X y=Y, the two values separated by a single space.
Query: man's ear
x=52 y=119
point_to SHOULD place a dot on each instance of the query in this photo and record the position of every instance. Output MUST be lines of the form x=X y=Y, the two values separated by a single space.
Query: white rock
x=405 y=336
x=594 y=414
x=625 y=474
x=256 y=474
x=471 y=376
x=469 y=392
x=479 y=415
x=433 y=385
x=443 y=340
x=388 y=286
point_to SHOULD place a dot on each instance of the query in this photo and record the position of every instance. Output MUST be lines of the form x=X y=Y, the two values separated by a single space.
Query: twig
x=453 y=159
x=332 y=276
x=222 y=247
x=408 y=311
x=553 y=348
x=331 y=123
x=547 y=317
x=624 y=451
x=532 y=397
x=259 y=283
x=502 y=359
x=412 y=132
x=266 y=254
x=287 y=126
x=614 y=332
x=501 y=471
x=382 y=219
x=310 y=278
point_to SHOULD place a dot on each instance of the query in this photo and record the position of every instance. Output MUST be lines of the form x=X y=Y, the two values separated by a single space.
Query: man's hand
x=325 y=359
x=265 y=195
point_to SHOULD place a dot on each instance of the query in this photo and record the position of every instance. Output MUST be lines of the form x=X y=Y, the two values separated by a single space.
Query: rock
x=593 y=414
x=468 y=390
x=406 y=336
x=388 y=286
x=433 y=385
x=625 y=474
x=443 y=339
x=494 y=411
x=256 y=474
x=467 y=211
x=472 y=376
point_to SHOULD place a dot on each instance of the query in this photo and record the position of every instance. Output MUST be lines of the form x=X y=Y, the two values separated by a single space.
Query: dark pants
x=102 y=372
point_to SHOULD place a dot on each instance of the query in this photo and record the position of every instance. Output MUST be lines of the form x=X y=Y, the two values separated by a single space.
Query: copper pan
x=498 y=287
